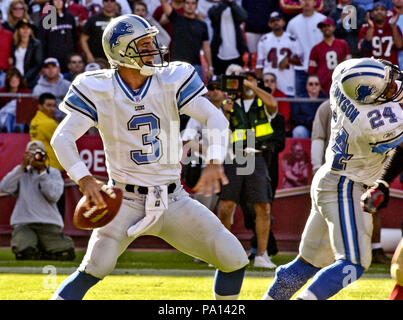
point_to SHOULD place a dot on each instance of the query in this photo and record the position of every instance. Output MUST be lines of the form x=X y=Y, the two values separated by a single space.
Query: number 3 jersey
x=361 y=135
x=139 y=129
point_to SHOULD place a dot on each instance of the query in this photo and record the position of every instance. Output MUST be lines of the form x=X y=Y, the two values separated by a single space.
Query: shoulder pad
x=175 y=72
x=97 y=80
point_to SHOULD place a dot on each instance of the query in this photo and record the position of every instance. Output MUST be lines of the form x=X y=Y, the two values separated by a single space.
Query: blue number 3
x=149 y=139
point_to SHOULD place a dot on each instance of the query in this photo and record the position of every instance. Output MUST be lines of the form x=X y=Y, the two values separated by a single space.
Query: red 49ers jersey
x=382 y=43
x=324 y=59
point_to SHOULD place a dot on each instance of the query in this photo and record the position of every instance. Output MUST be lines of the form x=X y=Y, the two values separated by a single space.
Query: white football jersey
x=139 y=129
x=271 y=50
x=361 y=135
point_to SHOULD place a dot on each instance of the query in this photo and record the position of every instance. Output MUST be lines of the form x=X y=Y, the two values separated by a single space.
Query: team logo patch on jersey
x=364 y=91
x=120 y=30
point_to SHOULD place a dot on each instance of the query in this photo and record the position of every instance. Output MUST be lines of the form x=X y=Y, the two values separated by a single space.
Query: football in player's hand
x=88 y=219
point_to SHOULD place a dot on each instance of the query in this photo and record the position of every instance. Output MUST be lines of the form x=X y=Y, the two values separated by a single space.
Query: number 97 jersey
x=361 y=135
x=139 y=129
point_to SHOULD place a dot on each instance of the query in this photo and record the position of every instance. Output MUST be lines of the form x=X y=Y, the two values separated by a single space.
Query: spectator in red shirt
x=380 y=37
x=14 y=83
x=326 y=55
x=6 y=40
x=270 y=81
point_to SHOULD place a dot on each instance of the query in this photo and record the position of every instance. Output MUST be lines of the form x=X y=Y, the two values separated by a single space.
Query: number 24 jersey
x=361 y=135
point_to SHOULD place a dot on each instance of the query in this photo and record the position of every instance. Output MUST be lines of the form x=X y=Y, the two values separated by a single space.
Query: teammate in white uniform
x=136 y=107
x=367 y=124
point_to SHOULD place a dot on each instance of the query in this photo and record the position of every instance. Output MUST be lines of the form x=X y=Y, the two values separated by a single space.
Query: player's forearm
x=217 y=126
x=64 y=145
x=394 y=167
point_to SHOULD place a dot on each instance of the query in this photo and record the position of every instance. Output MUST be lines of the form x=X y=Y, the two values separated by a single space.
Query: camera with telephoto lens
x=38 y=155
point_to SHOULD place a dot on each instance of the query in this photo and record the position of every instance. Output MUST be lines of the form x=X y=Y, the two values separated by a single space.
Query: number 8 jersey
x=139 y=129
x=362 y=134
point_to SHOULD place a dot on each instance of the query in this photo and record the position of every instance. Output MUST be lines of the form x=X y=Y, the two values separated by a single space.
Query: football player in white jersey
x=136 y=105
x=367 y=123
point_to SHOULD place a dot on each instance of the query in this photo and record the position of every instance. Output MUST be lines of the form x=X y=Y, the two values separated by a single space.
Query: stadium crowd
x=290 y=39
x=290 y=47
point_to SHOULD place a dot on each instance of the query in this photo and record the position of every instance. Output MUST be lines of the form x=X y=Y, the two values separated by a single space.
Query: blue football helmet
x=372 y=81
x=119 y=42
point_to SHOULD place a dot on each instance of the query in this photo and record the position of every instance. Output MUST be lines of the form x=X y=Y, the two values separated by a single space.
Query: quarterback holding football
x=136 y=106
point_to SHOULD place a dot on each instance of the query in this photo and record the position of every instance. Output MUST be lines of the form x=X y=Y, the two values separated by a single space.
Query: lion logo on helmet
x=120 y=30
x=364 y=91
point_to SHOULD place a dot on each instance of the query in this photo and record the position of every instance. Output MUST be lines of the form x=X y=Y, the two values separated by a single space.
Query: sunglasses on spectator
x=213 y=87
x=19 y=8
x=313 y=84
x=270 y=80
x=109 y=0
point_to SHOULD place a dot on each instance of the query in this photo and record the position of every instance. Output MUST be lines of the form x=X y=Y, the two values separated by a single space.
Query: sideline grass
x=191 y=281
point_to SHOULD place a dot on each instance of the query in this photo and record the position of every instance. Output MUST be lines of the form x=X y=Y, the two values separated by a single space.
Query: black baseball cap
x=215 y=80
x=275 y=15
x=24 y=22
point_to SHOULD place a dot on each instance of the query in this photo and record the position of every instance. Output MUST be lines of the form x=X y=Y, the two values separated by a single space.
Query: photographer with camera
x=36 y=222
x=249 y=112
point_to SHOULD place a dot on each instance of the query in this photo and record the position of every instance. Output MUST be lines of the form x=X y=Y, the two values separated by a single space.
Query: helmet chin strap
x=147 y=70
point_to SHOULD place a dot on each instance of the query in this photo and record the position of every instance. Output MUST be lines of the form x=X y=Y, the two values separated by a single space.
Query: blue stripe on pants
x=341 y=216
x=353 y=222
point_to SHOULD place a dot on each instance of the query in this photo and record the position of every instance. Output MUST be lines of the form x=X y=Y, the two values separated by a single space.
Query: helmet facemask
x=393 y=84
x=135 y=57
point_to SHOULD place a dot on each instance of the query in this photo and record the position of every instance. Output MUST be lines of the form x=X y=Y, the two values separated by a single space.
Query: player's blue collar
x=129 y=92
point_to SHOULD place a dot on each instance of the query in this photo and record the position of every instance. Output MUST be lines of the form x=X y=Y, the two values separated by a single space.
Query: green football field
x=160 y=276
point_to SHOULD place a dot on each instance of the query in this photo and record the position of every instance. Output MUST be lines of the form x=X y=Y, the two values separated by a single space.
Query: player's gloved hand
x=375 y=198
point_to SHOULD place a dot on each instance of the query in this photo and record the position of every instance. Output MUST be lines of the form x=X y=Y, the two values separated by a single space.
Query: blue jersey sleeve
x=191 y=87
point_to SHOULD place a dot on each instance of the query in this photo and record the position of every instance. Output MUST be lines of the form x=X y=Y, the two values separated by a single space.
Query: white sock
x=306 y=295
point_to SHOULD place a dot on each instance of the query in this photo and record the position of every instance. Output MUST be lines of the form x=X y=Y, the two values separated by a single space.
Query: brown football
x=96 y=218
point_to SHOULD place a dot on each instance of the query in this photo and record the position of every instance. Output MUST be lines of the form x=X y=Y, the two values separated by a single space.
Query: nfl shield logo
x=137 y=99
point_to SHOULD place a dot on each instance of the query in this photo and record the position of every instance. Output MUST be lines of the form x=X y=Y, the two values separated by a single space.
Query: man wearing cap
x=52 y=81
x=278 y=52
x=380 y=37
x=251 y=113
x=326 y=55
x=36 y=222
